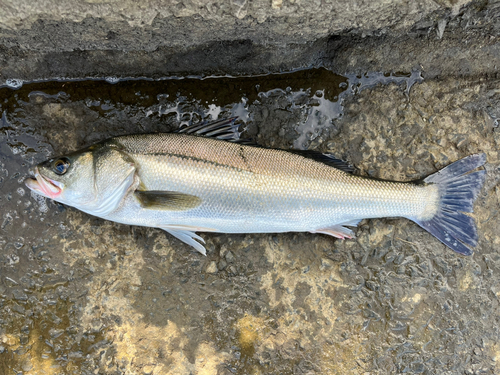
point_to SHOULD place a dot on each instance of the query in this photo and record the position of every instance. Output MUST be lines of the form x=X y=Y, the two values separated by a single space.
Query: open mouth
x=44 y=185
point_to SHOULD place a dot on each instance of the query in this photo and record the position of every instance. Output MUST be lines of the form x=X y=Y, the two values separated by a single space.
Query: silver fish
x=203 y=179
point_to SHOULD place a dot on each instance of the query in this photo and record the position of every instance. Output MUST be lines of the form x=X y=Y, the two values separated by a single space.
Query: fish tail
x=457 y=191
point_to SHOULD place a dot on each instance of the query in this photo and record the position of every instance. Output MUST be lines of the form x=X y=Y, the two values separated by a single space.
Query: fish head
x=67 y=179
x=93 y=180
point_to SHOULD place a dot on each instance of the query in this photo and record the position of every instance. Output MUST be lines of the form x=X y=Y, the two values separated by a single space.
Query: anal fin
x=337 y=231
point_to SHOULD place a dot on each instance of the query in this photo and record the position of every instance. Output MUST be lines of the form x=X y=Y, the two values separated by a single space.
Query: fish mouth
x=44 y=185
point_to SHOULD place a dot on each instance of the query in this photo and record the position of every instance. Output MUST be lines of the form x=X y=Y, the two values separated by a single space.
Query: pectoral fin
x=166 y=200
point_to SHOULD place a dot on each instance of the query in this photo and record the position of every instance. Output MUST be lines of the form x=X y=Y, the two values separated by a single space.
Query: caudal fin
x=458 y=190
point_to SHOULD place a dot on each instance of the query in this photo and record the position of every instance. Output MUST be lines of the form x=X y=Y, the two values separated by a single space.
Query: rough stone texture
x=74 y=39
x=465 y=45
x=299 y=19
x=83 y=295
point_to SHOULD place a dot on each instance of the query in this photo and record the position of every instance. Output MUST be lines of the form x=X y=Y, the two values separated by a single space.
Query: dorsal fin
x=221 y=129
x=228 y=130
x=326 y=158
x=224 y=129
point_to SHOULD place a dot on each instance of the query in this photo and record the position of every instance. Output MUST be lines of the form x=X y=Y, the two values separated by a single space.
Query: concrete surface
x=74 y=39
x=79 y=295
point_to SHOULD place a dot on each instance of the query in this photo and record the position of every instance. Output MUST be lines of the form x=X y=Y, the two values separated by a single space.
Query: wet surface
x=83 y=295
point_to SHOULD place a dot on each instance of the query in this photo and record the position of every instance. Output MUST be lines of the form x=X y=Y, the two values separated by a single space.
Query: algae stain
x=343 y=358
x=465 y=281
x=302 y=291
x=138 y=347
x=45 y=343
x=141 y=346
x=495 y=356
x=251 y=330
x=208 y=359
x=41 y=360
x=160 y=350
x=33 y=358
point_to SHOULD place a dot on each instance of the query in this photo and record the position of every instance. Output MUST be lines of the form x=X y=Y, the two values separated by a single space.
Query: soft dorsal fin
x=326 y=158
x=352 y=223
x=166 y=200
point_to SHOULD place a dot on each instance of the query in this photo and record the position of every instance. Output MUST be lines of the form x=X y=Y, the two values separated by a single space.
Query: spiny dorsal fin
x=224 y=129
x=166 y=200
x=221 y=129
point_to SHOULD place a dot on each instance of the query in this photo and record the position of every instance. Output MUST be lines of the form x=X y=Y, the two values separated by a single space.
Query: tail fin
x=457 y=191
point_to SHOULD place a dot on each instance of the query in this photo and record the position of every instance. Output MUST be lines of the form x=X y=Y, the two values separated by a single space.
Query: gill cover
x=114 y=173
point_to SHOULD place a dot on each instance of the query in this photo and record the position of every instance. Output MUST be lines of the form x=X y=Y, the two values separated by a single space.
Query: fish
x=207 y=178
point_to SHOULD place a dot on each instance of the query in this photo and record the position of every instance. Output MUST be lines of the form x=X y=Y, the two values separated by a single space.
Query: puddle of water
x=320 y=116
x=317 y=93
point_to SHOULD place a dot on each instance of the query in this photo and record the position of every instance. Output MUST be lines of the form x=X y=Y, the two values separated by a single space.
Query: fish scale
x=256 y=189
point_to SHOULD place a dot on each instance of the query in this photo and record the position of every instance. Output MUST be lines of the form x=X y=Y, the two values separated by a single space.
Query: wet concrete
x=83 y=295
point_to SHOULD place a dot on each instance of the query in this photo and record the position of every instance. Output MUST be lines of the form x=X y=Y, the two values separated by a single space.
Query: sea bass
x=205 y=179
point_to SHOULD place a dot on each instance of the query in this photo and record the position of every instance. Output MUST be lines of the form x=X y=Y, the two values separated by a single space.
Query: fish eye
x=61 y=166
